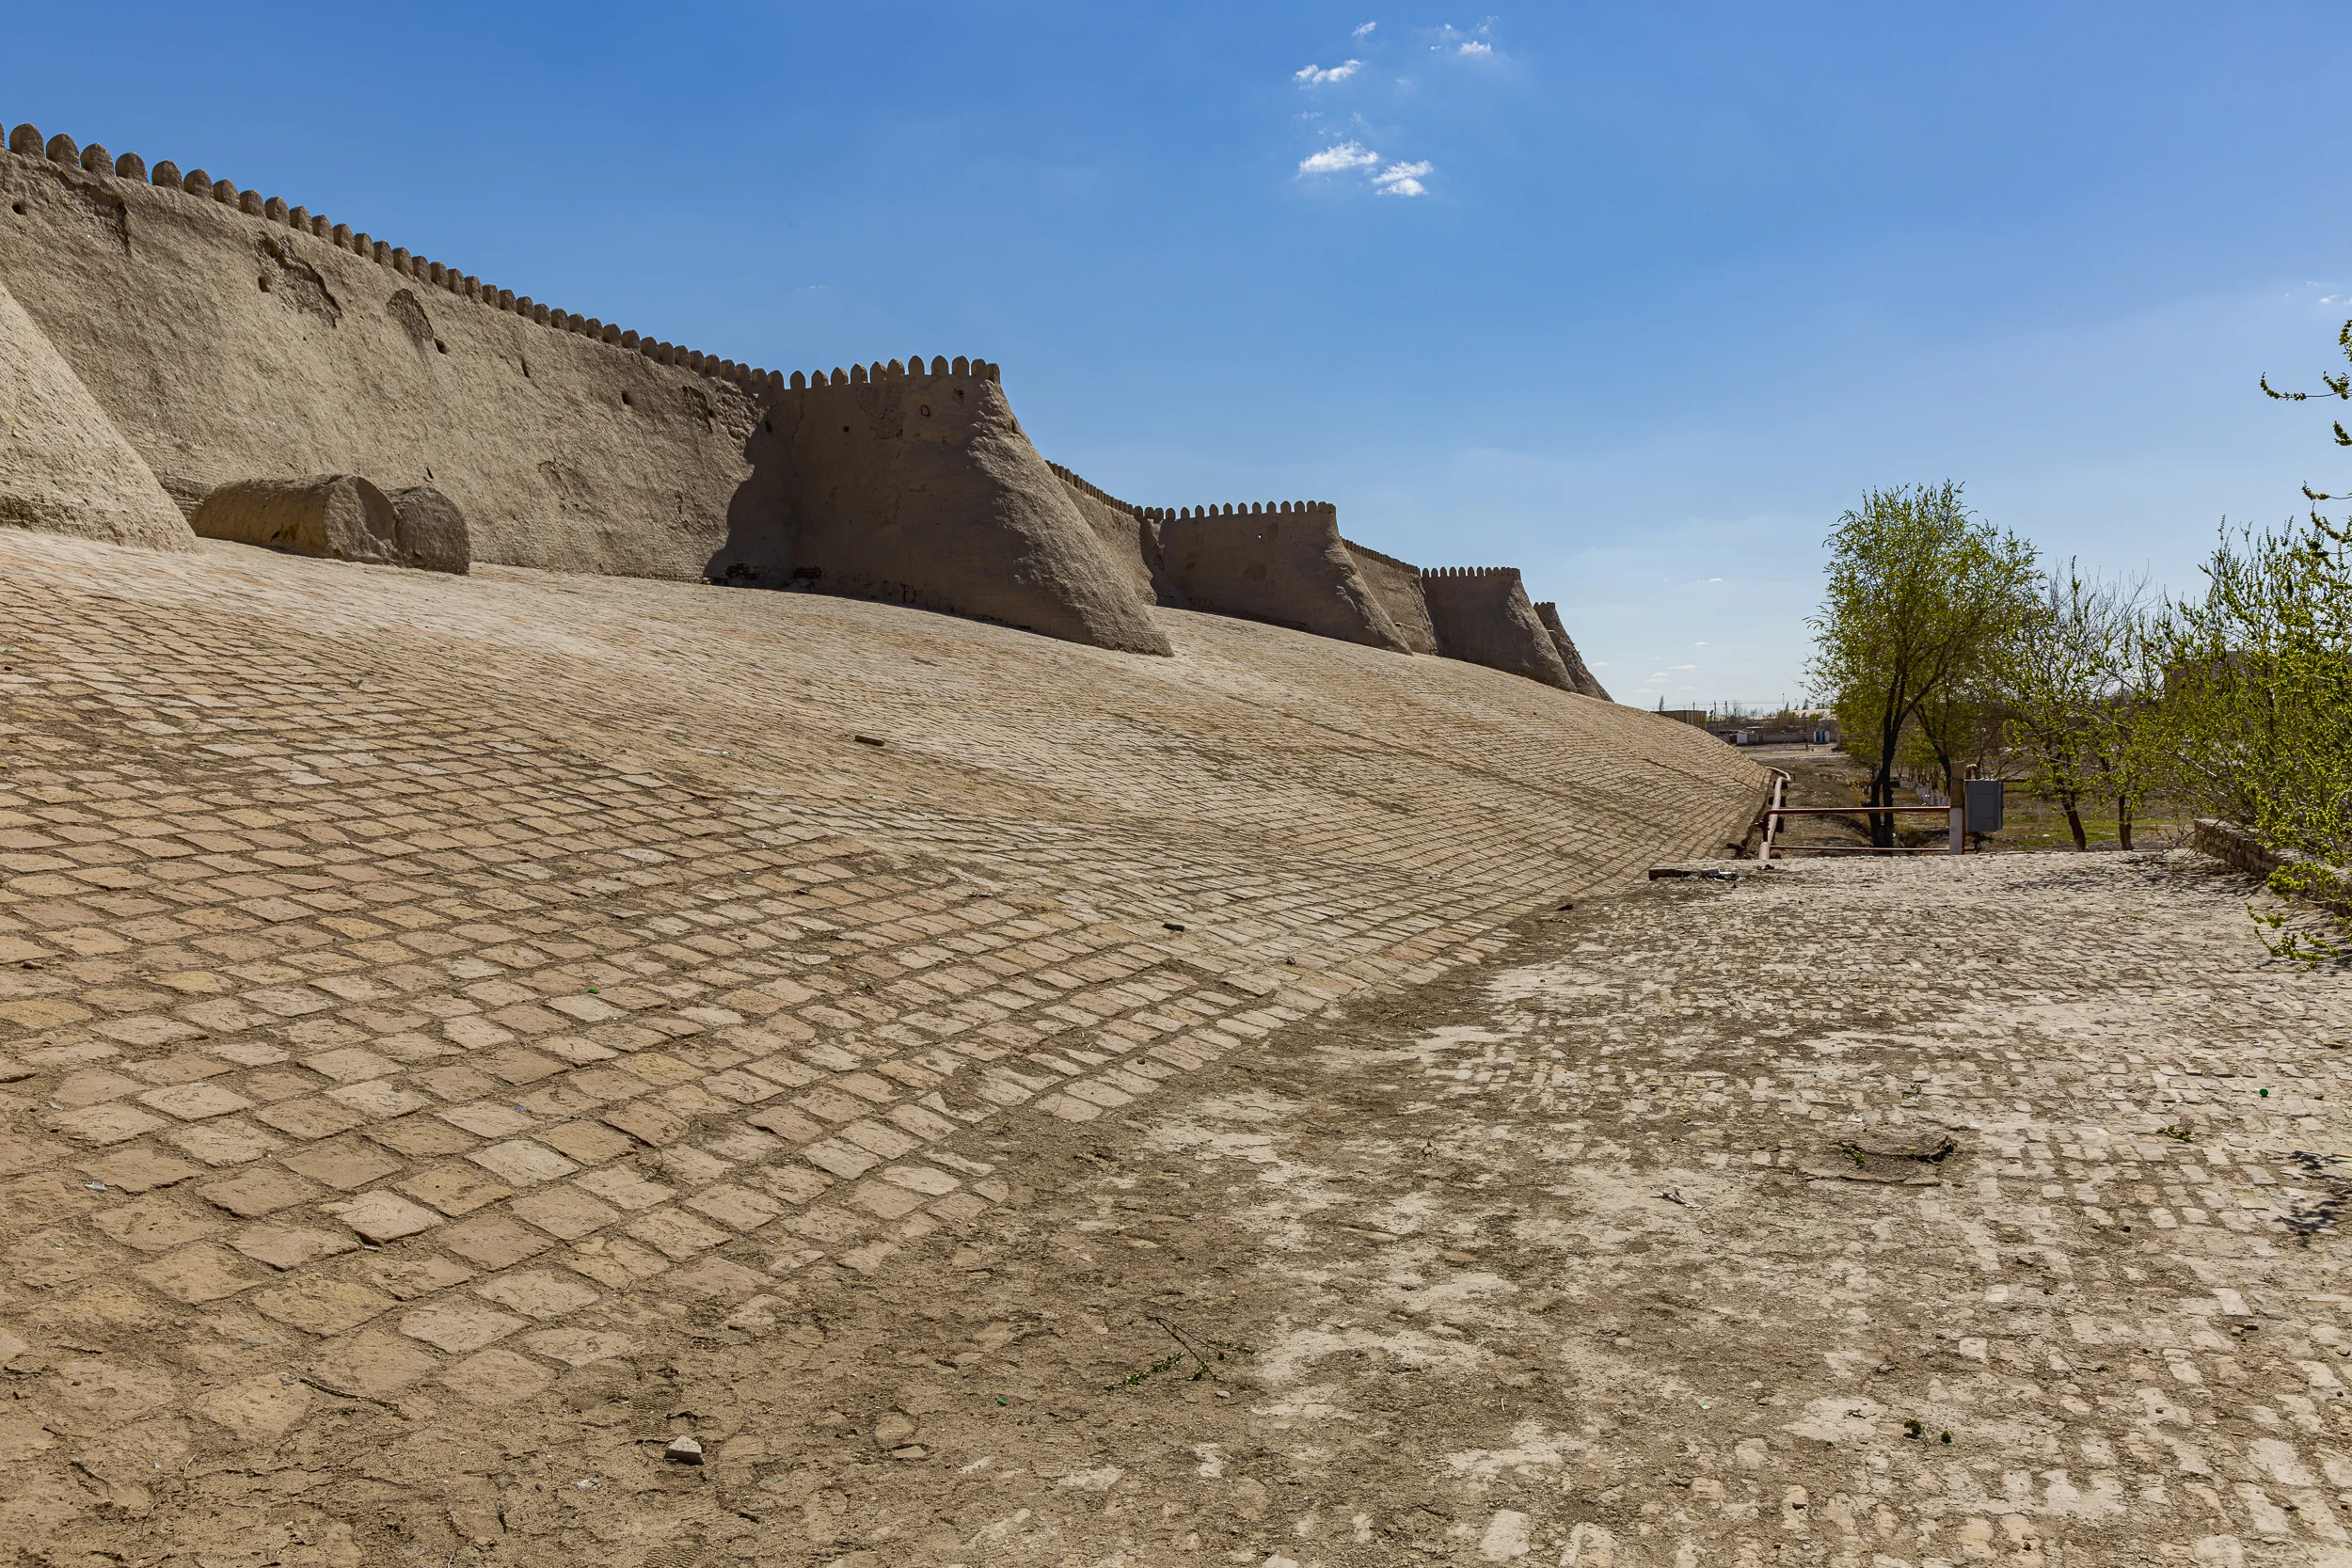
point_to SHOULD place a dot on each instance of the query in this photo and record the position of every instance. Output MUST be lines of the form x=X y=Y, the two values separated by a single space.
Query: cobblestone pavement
x=1904 y=1213
x=431 y=1010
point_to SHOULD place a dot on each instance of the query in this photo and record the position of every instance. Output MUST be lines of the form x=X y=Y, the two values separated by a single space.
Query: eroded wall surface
x=227 y=346
x=1481 y=614
x=1132 y=544
x=1284 y=565
x=1581 y=678
x=64 y=468
x=917 y=485
x=1397 y=585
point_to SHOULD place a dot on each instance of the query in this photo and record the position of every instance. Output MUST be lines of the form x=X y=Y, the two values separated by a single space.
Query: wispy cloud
x=1339 y=159
x=1402 y=179
x=1315 y=75
x=1365 y=31
x=1476 y=43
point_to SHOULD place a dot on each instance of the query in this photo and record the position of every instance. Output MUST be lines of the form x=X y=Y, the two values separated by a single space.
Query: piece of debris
x=867 y=741
x=683 y=1450
x=1673 y=1194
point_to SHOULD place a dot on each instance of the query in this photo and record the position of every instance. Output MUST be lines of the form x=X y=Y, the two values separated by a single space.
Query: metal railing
x=1956 y=813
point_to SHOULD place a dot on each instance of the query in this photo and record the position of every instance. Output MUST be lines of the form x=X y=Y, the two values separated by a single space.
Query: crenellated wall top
x=1231 y=509
x=25 y=141
x=910 y=369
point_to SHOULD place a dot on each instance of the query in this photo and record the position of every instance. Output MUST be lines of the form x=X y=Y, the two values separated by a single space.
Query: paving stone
x=522 y=1162
x=194 y=1101
x=351 y=1065
x=492 y=1241
x=489 y=1120
x=102 y=1124
x=286 y=1246
x=458 y=1325
x=646 y=1122
x=454 y=1189
x=381 y=1216
x=321 y=1306
x=537 y=1294
x=411 y=1277
x=564 y=1211
x=140 y=1170
x=717 y=1277
x=258 y=1191
x=420 y=1138
x=375 y=1364
x=197 y=1275
x=93 y=1086
x=735 y=1205
x=311 y=1118
x=224 y=1143
x=346 y=1166
x=675 y=1235
x=614 y=1261
x=154 y=1224
x=586 y=1142
x=623 y=1188
x=377 y=1100
x=793 y=1184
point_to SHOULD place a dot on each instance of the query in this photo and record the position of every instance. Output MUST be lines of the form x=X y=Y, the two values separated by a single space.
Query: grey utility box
x=1984 y=804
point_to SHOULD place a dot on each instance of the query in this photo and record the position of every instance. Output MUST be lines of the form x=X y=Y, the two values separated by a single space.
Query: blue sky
x=1634 y=297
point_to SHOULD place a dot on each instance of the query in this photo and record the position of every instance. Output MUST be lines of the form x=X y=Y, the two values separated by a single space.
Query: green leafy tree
x=2261 y=694
x=2075 y=692
x=1922 y=601
x=2258 y=702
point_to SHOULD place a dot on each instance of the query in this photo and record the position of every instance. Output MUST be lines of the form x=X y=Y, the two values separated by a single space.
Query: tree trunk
x=1883 y=782
x=2075 y=821
x=2123 y=820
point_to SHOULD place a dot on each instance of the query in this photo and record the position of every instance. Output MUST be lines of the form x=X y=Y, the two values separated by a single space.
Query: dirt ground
x=1797 y=1218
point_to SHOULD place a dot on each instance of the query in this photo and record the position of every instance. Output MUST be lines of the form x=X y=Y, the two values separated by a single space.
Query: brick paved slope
x=404 y=979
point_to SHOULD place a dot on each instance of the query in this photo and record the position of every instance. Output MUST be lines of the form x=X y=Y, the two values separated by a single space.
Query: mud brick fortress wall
x=212 y=336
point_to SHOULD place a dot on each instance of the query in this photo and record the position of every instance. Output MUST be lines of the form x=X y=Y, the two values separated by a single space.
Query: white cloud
x=1316 y=76
x=1365 y=31
x=1402 y=179
x=1682 y=667
x=1698 y=644
x=1336 y=160
x=1474 y=47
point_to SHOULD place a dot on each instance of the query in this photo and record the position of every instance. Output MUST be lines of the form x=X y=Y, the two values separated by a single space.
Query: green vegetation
x=1921 y=598
x=1942 y=651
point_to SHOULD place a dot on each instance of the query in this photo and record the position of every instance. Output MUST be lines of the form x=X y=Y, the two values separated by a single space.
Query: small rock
x=894 y=1428
x=1459 y=1257
x=683 y=1450
x=912 y=1450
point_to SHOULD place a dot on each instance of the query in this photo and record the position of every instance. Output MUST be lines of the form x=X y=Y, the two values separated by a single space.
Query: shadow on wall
x=916 y=484
x=1285 y=564
x=1481 y=614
